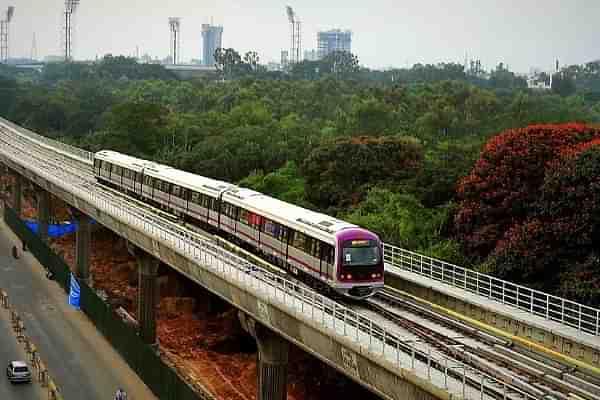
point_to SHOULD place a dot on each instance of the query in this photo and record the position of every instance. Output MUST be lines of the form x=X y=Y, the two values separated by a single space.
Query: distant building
x=212 y=39
x=273 y=66
x=54 y=59
x=311 y=55
x=285 y=59
x=333 y=40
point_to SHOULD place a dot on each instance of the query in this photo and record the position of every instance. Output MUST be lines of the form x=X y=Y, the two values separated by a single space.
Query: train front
x=359 y=263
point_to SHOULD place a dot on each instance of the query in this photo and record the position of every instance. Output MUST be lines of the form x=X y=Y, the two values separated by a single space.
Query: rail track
x=478 y=349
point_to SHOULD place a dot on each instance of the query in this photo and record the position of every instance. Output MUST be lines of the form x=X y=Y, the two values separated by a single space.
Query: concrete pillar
x=43 y=213
x=272 y=360
x=17 y=191
x=83 y=239
x=148 y=295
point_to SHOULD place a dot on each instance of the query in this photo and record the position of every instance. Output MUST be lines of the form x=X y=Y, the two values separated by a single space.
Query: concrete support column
x=43 y=197
x=148 y=295
x=272 y=360
x=83 y=239
x=17 y=191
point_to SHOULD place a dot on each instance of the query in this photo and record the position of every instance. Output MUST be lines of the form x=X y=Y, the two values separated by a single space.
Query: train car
x=342 y=256
x=119 y=171
x=335 y=254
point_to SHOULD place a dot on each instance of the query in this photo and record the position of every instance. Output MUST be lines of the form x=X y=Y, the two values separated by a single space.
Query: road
x=10 y=349
x=79 y=359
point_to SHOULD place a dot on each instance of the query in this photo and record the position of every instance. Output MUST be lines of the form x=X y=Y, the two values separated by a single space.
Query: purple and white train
x=339 y=255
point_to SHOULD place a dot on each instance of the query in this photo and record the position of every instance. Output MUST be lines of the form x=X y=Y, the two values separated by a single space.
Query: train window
x=97 y=163
x=308 y=245
x=177 y=191
x=327 y=253
x=243 y=216
x=299 y=239
x=184 y=193
x=206 y=201
x=272 y=228
x=316 y=250
x=106 y=166
x=226 y=209
x=283 y=234
x=195 y=197
x=254 y=220
x=147 y=180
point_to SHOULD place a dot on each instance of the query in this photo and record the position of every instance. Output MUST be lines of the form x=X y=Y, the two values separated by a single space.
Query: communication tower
x=175 y=27
x=4 y=25
x=296 y=37
x=70 y=8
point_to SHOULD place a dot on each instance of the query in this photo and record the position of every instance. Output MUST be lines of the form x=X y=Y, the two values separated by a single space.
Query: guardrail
x=297 y=300
x=84 y=155
x=583 y=318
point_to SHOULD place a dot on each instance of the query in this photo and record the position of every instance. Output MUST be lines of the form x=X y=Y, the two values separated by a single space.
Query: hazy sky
x=386 y=32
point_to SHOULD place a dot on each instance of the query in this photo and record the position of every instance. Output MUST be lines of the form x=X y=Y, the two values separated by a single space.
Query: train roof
x=122 y=160
x=181 y=178
x=317 y=225
x=187 y=180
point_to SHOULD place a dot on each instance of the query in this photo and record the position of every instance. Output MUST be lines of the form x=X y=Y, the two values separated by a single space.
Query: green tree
x=135 y=128
x=339 y=173
x=563 y=84
x=227 y=62
x=341 y=64
x=8 y=95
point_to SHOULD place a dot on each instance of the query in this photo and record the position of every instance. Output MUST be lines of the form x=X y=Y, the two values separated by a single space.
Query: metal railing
x=299 y=301
x=583 y=318
x=83 y=155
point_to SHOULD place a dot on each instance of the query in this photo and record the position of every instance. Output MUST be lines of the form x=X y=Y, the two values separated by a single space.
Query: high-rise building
x=335 y=39
x=211 y=40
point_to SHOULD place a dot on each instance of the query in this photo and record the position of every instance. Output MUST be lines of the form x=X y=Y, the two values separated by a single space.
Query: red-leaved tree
x=531 y=208
x=501 y=190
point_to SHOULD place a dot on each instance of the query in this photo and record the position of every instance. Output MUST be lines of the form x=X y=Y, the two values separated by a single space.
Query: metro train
x=326 y=251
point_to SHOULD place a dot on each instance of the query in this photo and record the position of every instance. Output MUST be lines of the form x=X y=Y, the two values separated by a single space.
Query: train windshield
x=361 y=252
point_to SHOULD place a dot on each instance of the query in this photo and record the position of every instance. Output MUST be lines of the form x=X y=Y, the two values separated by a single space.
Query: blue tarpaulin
x=55 y=230
x=74 y=295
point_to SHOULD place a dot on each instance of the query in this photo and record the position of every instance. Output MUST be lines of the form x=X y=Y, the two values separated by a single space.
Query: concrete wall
x=553 y=341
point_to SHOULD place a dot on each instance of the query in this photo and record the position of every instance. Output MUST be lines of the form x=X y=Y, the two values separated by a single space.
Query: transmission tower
x=4 y=25
x=296 y=36
x=70 y=8
x=175 y=27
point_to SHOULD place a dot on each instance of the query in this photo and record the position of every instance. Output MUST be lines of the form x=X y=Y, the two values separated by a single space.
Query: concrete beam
x=272 y=360
x=83 y=239
x=148 y=294
x=43 y=197
x=17 y=193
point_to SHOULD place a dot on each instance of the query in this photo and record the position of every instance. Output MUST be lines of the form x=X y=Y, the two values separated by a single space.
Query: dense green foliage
x=385 y=150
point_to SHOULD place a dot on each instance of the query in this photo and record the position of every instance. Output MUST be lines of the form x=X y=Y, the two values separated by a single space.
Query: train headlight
x=348 y=276
x=373 y=276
